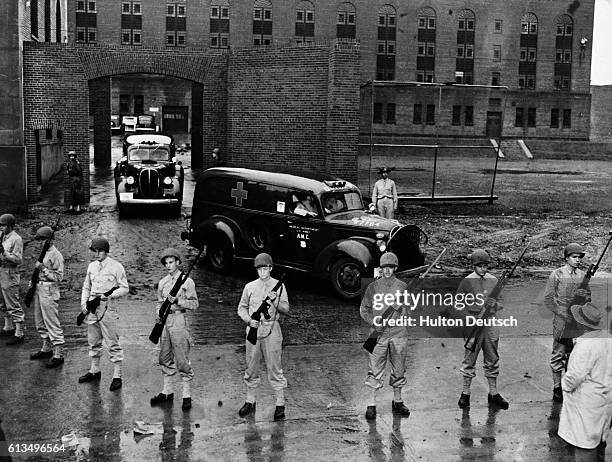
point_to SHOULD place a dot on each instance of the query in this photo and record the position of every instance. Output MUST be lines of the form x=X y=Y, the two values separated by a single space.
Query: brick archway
x=291 y=107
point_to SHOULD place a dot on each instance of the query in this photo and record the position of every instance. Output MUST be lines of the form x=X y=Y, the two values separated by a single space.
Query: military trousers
x=487 y=341
x=557 y=357
x=175 y=344
x=270 y=347
x=9 y=299
x=385 y=207
x=105 y=330
x=393 y=349
x=46 y=315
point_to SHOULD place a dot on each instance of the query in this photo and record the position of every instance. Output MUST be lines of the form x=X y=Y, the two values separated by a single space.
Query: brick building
x=540 y=50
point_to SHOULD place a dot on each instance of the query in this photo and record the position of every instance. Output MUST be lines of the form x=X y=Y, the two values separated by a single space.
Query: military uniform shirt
x=187 y=298
x=254 y=293
x=13 y=250
x=384 y=188
x=384 y=286
x=475 y=284
x=101 y=277
x=53 y=270
x=561 y=287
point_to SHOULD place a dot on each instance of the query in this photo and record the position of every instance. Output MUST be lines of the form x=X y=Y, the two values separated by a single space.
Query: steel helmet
x=99 y=243
x=388 y=259
x=480 y=256
x=44 y=232
x=262 y=259
x=7 y=219
x=569 y=249
x=170 y=252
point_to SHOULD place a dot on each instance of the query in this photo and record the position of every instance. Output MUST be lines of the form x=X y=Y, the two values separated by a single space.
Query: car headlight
x=382 y=245
x=168 y=181
x=130 y=180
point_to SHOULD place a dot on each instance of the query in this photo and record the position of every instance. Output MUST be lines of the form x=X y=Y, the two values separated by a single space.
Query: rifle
x=92 y=305
x=570 y=328
x=164 y=309
x=263 y=311
x=471 y=340
x=1 y=246
x=372 y=339
x=36 y=273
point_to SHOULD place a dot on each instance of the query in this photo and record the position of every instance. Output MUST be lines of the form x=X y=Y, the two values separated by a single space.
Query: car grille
x=149 y=183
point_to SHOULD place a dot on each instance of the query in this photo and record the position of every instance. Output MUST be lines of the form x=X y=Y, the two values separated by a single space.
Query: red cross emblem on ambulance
x=238 y=193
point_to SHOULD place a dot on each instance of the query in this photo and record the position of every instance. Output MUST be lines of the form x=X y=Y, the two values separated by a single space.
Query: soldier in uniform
x=561 y=289
x=393 y=341
x=11 y=254
x=269 y=336
x=175 y=339
x=103 y=274
x=46 y=300
x=480 y=281
x=384 y=195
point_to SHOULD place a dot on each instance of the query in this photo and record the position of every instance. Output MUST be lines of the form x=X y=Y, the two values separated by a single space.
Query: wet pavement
x=323 y=361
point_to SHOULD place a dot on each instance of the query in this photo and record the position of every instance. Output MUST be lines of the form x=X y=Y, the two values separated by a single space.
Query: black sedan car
x=148 y=173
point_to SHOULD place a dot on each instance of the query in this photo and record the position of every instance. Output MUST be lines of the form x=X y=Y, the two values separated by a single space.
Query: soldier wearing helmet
x=75 y=176
x=46 y=298
x=175 y=340
x=393 y=341
x=480 y=283
x=562 y=288
x=11 y=254
x=103 y=274
x=269 y=335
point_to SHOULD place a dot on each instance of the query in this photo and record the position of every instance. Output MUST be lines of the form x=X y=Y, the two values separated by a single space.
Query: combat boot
x=246 y=409
x=186 y=404
x=115 y=384
x=497 y=400
x=41 y=354
x=464 y=401
x=7 y=333
x=370 y=413
x=400 y=408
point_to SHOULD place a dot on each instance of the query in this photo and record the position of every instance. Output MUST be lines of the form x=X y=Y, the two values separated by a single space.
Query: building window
x=385 y=58
x=305 y=22
x=431 y=114
x=378 y=113
x=554 y=118
x=417 y=114
x=345 y=24
x=426 y=44
x=498 y=26
x=464 y=63
x=567 y=118
x=496 y=52
x=456 y=115
x=528 y=45
x=495 y=102
x=495 y=78
x=176 y=23
x=519 y=120
x=531 y=117
x=390 y=113
x=131 y=22
x=80 y=6
x=34 y=18
x=91 y=6
x=469 y=116
x=262 y=23
x=563 y=53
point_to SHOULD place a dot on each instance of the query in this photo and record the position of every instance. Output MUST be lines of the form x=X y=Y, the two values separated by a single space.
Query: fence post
x=433 y=183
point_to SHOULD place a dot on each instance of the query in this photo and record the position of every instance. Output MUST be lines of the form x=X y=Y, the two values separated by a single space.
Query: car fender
x=356 y=248
x=213 y=225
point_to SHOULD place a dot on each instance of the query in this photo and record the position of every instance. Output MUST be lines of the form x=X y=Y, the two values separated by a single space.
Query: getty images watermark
x=466 y=306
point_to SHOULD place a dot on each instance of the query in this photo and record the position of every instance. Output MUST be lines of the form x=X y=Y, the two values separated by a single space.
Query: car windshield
x=144 y=153
x=341 y=202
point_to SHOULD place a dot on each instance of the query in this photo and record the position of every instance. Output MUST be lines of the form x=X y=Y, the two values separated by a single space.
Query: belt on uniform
x=177 y=311
x=385 y=197
x=45 y=283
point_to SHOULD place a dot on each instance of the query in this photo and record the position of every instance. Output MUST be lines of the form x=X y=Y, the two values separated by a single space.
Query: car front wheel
x=219 y=253
x=346 y=277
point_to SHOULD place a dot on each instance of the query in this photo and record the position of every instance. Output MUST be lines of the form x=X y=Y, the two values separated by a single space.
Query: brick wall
x=285 y=106
x=601 y=118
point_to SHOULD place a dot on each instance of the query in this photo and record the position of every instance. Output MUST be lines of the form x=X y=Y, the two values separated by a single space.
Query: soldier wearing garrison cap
x=269 y=336
x=175 y=340
x=561 y=289
x=103 y=274
x=481 y=282
x=393 y=341
x=45 y=302
x=384 y=194
x=11 y=254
